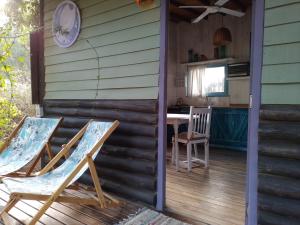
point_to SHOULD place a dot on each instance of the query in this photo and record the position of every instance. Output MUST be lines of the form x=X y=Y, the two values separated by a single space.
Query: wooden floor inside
x=63 y=213
x=215 y=196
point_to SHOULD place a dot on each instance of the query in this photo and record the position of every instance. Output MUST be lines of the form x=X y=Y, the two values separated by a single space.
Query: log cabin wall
x=279 y=165
x=120 y=82
x=279 y=144
x=128 y=160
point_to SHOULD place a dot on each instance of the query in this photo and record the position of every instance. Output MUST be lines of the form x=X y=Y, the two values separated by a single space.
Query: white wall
x=199 y=37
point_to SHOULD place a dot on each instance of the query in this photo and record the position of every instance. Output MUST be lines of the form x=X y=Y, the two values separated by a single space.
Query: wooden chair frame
x=102 y=200
x=46 y=148
x=196 y=122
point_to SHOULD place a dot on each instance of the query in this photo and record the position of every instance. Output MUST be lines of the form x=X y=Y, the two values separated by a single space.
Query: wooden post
x=162 y=126
x=256 y=71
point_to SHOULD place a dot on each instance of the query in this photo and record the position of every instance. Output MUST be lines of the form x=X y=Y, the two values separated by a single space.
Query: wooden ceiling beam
x=181 y=3
x=205 y=2
x=183 y=14
x=239 y=5
x=176 y=18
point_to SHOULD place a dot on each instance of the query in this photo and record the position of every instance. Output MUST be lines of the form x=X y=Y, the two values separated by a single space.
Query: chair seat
x=196 y=137
x=27 y=144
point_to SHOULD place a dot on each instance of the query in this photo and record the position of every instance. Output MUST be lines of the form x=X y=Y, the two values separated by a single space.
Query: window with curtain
x=202 y=81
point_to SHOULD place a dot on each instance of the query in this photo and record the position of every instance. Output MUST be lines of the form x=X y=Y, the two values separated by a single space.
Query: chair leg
x=196 y=151
x=177 y=155
x=97 y=185
x=189 y=156
x=12 y=202
x=206 y=146
x=42 y=211
x=173 y=152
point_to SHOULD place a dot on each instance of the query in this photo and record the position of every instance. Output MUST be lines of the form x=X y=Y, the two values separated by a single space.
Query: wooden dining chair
x=198 y=133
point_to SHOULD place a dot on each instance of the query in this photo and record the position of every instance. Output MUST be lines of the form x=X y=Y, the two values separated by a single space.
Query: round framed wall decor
x=66 y=24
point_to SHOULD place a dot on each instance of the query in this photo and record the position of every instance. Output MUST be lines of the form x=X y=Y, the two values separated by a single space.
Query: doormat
x=150 y=217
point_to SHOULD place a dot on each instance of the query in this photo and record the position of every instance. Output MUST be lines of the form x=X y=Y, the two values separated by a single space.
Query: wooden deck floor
x=63 y=213
x=215 y=196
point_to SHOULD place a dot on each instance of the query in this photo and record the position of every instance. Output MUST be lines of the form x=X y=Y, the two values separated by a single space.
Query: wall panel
x=115 y=57
x=281 y=60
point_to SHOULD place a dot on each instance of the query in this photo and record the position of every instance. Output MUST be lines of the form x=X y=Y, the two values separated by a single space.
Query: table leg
x=176 y=145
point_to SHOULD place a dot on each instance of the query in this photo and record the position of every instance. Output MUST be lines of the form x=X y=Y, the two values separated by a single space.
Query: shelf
x=210 y=62
x=238 y=78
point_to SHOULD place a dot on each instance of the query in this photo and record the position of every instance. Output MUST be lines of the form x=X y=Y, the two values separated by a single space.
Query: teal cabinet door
x=229 y=128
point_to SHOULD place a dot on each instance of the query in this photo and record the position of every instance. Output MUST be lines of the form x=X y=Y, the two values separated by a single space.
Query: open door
x=238 y=107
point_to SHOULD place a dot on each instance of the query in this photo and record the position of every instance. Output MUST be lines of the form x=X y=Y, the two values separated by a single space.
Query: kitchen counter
x=229 y=126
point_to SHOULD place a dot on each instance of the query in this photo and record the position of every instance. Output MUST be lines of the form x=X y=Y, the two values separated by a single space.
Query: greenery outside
x=18 y=19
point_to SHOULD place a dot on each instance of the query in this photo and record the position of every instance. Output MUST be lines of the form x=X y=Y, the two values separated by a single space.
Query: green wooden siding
x=127 y=41
x=281 y=62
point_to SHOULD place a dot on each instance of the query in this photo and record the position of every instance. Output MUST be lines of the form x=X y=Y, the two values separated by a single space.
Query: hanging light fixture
x=222 y=36
x=145 y=4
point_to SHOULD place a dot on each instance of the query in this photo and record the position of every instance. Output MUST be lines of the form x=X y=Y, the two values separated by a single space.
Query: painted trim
x=253 y=123
x=162 y=98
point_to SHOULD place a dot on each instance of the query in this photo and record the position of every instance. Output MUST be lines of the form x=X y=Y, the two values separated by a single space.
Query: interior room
x=208 y=68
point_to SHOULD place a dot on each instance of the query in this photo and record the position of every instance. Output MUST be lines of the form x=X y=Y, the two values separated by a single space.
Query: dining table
x=175 y=120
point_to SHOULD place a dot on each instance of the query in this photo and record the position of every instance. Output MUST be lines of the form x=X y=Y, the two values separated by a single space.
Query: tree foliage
x=23 y=17
x=23 y=14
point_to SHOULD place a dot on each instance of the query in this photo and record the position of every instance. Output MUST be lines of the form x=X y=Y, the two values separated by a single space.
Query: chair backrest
x=95 y=133
x=28 y=142
x=199 y=122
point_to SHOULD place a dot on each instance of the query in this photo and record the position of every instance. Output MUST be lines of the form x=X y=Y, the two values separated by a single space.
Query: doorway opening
x=209 y=66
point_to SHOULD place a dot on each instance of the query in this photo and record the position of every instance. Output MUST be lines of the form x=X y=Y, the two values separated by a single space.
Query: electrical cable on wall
x=98 y=60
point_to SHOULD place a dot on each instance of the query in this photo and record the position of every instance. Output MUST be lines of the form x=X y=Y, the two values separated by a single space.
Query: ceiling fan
x=217 y=8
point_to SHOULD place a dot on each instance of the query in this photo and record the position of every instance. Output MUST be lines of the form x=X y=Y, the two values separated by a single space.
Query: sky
x=3 y=18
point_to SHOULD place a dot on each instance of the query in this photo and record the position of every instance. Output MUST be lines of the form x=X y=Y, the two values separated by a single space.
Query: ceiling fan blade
x=221 y=2
x=202 y=16
x=231 y=12
x=193 y=7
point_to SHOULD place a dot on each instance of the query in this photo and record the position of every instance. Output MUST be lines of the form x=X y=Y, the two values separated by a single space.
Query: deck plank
x=68 y=214
x=214 y=196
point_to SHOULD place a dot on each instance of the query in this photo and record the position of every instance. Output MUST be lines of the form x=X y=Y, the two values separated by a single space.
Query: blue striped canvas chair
x=26 y=143
x=51 y=185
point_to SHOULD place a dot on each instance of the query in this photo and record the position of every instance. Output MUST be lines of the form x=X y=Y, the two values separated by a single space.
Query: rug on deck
x=150 y=217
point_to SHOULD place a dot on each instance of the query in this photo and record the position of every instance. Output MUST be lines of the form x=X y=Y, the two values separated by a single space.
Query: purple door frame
x=255 y=90
x=255 y=101
x=162 y=127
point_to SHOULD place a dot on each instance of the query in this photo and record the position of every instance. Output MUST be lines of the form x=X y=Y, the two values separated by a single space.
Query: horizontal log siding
x=279 y=165
x=281 y=63
x=127 y=41
x=127 y=165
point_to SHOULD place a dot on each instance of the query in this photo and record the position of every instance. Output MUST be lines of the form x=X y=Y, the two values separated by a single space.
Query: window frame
x=225 y=92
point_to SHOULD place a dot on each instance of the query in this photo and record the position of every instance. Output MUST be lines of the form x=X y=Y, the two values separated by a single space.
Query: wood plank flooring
x=68 y=214
x=214 y=196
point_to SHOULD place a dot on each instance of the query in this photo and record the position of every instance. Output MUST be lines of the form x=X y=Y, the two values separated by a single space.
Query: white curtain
x=202 y=80
x=193 y=81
